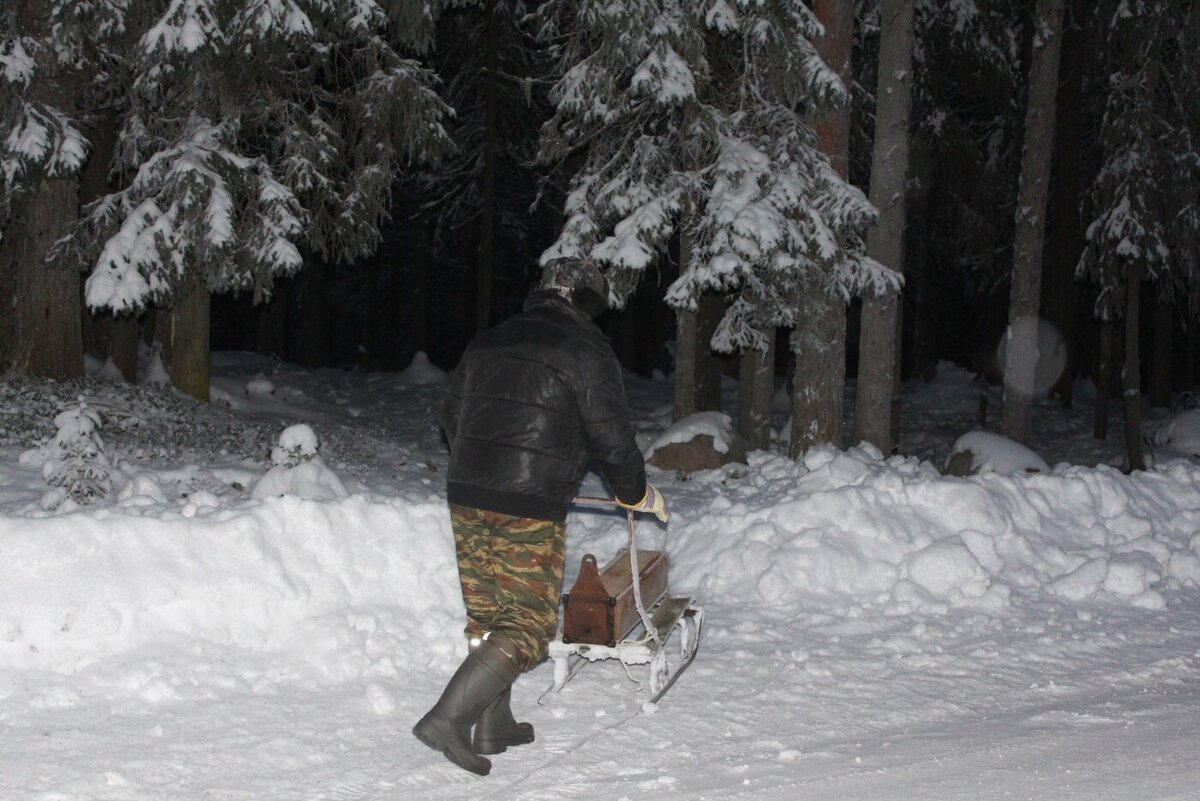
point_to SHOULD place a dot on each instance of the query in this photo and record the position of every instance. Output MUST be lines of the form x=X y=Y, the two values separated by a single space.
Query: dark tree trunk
x=183 y=332
x=41 y=335
x=684 y=403
x=123 y=346
x=819 y=342
x=756 y=372
x=879 y=347
x=104 y=334
x=1131 y=374
x=1024 y=302
x=820 y=350
x=686 y=346
x=708 y=364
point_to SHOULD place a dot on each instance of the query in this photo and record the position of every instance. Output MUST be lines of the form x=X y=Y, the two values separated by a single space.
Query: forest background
x=841 y=188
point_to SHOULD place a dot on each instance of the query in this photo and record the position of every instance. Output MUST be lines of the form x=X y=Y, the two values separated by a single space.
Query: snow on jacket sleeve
x=609 y=434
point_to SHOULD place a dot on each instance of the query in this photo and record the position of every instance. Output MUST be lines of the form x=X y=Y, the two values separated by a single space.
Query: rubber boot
x=486 y=672
x=497 y=729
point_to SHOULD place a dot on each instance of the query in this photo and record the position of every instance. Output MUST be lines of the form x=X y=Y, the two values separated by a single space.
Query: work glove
x=653 y=502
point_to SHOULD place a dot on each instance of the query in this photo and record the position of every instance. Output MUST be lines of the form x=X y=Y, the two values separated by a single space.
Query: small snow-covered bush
x=297 y=444
x=260 y=387
x=156 y=371
x=298 y=469
x=75 y=463
x=984 y=452
x=1177 y=437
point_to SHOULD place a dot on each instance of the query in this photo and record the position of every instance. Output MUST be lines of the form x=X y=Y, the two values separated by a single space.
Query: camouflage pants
x=511 y=571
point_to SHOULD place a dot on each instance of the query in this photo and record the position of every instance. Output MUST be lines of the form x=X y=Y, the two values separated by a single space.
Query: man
x=531 y=401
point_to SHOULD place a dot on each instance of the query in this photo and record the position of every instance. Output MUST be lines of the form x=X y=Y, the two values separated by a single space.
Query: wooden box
x=600 y=608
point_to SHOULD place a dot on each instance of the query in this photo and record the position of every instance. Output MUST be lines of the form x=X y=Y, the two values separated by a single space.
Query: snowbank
x=851 y=531
x=348 y=587
x=364 y=586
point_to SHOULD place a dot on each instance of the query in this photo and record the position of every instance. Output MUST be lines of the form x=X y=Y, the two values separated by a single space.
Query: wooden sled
x=625 y=611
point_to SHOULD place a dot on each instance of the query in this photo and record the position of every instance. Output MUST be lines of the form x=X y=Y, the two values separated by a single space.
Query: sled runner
x=625 y=611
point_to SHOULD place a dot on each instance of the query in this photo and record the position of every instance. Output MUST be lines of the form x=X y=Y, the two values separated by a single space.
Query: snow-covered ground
x=874 y=630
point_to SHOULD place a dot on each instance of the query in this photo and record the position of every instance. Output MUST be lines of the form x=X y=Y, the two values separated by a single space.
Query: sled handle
x=634 y=567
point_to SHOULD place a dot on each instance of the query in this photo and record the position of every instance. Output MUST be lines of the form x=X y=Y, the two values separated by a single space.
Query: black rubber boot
x=484 y=674
x=497 y=729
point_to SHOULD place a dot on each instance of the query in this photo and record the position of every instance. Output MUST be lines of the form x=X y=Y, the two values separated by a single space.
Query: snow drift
x=350 y=586
x=364 y=585
x=849 y=531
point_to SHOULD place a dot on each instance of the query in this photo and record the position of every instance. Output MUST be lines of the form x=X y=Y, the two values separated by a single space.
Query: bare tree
x=877 y=406
x=819 y=341
x=1021 y=345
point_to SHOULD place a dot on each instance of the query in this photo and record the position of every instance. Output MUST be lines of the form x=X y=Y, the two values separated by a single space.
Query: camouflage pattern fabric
x=511 y=571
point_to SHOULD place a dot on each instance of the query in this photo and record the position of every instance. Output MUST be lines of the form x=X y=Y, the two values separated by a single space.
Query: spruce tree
x=247 y=130
x=692 y=121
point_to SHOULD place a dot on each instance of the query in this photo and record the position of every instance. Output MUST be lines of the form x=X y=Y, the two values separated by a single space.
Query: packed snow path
x=956 y=713
x=873 y=630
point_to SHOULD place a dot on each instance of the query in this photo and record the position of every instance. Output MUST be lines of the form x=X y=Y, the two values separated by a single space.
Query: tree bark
x=686 y=346
x=879 y=345
x=756 y=372
x=183 y=332
x=123 y=346
x=104 y=334
x=1131 y=374
x=708 y=364
x=820 y=352
x=684 y=403
x=42 y=335
x=819 y=342
x=1023 y=310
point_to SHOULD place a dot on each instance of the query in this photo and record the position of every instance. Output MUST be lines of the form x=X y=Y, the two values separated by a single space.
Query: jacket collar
x=551 y=300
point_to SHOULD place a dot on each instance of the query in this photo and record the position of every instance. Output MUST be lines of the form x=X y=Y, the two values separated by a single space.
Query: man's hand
x=653 y=503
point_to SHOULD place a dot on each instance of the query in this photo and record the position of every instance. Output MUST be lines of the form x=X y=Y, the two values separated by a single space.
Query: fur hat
x=579 y=280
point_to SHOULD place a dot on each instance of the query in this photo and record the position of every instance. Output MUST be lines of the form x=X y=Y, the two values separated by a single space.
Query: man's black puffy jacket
x=530 y=402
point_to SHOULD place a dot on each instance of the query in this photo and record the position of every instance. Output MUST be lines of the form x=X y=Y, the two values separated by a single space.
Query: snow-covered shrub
x=984 y=452
x=421 y=373
x=1178 y=437
x=260 y=387
x=298 y=469
x=297 y=444
x=156 y=370
x=74 y=462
